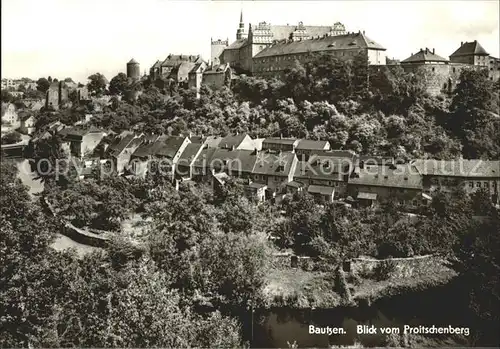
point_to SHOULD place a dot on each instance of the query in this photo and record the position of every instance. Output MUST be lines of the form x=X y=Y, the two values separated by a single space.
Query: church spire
x=240 y=33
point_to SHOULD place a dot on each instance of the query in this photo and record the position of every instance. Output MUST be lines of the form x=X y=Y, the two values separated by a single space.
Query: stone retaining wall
x=74 y=233
x=404 y=267
x=289 y=260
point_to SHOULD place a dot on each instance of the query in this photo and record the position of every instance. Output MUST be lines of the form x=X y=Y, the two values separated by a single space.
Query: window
x=454 y=69
x=478 y=185
x=486 y=185
x=471 y=184
x=433 y=69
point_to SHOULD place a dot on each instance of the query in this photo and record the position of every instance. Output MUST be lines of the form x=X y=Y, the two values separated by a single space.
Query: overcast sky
x=75 y=38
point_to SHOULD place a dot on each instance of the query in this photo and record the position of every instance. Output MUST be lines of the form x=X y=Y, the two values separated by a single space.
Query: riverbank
x=302 y=289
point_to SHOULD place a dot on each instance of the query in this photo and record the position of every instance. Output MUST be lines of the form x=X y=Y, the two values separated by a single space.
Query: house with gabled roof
x=122 y=148
x=237 y=142
x=325 y=176
x=277 y=144
x=470 y=175
x=82 y=141
x=372 y=183
x=185 y=164
x=217 y=76
x=306 y=147
x=470 y=53
x=275 y=171
x=27 y=123
x=160 y=152
x=10 y=117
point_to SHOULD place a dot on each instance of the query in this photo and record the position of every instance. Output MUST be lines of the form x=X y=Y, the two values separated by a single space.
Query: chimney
x=281 y=135
x=461 y=43
x=363 y=32
x=433 y=50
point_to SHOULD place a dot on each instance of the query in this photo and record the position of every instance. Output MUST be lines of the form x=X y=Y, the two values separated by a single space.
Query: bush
x=384 y=270
x=11 y=138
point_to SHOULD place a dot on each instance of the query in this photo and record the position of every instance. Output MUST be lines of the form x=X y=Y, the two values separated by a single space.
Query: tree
x=11 y=138
x=97 y=84
x=49 y=160
x=43 y=85
x=7 y=97
x=119 y=84
x=234 y=267
x=479 y=266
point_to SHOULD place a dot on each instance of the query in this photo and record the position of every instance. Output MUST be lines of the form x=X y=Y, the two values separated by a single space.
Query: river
x=275 y=328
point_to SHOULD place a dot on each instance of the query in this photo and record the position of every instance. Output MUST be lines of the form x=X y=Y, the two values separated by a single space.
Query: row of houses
x=274 y=167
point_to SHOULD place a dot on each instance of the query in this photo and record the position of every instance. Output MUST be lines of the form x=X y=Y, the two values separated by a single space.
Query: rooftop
x=271 y=164
x=470 y=48
x=400 y=176
x=329 y=43
x=426 y=55
x=279 y=140
x=189 y=153
x=175 y=60
x=459 y=168
x=307 y=144
x=170 y=146
x=320 y=189
x=237 y=44
x=232 y=140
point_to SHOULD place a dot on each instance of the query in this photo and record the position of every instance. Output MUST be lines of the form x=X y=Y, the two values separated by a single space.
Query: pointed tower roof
x=133 y=61
x=241 y=16
x=470 y=48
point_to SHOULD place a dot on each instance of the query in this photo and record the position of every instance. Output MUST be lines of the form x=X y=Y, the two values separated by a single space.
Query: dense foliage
x=205 y=250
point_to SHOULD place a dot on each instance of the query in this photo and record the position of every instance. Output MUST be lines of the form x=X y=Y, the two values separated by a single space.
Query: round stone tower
x=133 y=69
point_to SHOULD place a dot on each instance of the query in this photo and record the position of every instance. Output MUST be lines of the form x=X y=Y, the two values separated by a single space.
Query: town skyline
x=431 y=24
